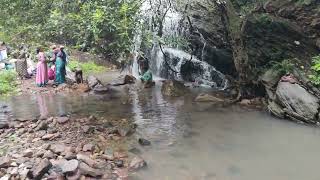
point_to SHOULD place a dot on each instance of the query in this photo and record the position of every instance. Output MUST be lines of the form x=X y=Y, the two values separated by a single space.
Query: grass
x=8 y=82
x=87 y=67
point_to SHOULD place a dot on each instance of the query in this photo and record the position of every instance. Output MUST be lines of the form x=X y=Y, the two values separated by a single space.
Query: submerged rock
x=173 y=88
x=144 y=142
x=208 y=98
x=93 y=81
x=137 y=163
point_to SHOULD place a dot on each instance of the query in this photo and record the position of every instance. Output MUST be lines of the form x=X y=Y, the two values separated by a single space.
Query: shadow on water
x=194 y=141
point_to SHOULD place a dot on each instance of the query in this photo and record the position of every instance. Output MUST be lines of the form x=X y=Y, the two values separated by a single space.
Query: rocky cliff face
x=274 y=31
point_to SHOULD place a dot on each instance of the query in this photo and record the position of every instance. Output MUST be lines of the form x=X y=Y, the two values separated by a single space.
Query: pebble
x=137 y=163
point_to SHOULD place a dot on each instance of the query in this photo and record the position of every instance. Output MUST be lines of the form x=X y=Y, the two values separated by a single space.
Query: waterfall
x=172 y=62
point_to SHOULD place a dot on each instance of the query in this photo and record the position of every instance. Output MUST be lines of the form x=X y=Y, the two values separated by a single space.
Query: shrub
x=283 y=67
x=315 y=76
x=87 y=67
x=8 y=82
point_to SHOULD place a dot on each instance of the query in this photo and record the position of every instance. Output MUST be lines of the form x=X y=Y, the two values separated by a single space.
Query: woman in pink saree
x=42 y=69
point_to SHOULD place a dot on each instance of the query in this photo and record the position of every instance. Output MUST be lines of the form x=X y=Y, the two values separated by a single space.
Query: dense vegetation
x=100 y=26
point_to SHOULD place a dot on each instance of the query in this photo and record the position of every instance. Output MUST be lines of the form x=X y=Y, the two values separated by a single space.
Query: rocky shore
x=67 y=148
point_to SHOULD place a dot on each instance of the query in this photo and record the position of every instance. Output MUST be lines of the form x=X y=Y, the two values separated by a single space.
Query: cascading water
x=170 y=61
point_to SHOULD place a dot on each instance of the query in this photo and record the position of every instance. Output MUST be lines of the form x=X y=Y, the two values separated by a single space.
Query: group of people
x=56 y=60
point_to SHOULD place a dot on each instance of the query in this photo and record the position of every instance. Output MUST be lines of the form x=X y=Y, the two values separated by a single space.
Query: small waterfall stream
x=172 y=62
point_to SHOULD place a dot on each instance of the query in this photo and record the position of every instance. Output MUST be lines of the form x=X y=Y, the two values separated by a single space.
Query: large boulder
x=297 y=102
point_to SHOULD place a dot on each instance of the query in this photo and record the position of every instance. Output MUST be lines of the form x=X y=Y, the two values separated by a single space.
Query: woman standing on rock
x=60 y=67
x=42 y=69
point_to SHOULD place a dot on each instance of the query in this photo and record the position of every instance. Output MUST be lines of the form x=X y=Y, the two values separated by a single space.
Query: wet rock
x=208 y=98
x=119 y=163
x=39 y=170
x=137 y=163
x=99 y=89
x=62 y=120
x=298 y=102
x=129 y=79
x=173 y=88
x=86 y=170
x=5 y=162
x=93 y=81
x=27 y=153
x=42 y=126
x=86 y=159
x=57 y=148
x=4 y=125
x=144 y=142
x=88 y=147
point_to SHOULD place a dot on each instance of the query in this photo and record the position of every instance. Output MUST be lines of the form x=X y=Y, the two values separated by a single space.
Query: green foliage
x=283 y=67
x=87 y=67
x=97 y=25
x=315 y=76
x=8 y=82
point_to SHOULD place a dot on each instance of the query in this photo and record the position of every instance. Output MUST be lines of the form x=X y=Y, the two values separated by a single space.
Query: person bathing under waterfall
x=146 y=77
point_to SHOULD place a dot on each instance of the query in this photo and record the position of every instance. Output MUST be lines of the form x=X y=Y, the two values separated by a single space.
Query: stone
x=119 y=163
x=14 y=171
x=75 y=176
x=6 y=177
x=62 y=120
x=84 y=158
x=42 y=126
x=87 y=129
x=93 y=81
x=92 y=118
x=68 y=167
x=23 y=172
x=70 y=155
x=5 y=162
x=129 y=79
x=109 y=153
x=270 y=78
x=48 y=137
x=4 y=125
x=276 y=109
x=208 y=98
x=57 y=148
x=27 y=153
x=125 y=131
x=120 y=155
x=144 y=142
x=40 y=170
x=137 y=163
x=86 y=170
x=88 y=147
x=173 y=88
x=298 y=101
x=122 y=174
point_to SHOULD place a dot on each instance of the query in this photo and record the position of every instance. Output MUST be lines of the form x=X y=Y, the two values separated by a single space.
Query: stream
x=195 y=141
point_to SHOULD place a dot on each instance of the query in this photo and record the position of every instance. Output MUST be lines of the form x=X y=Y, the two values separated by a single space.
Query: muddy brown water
x=195 y=141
